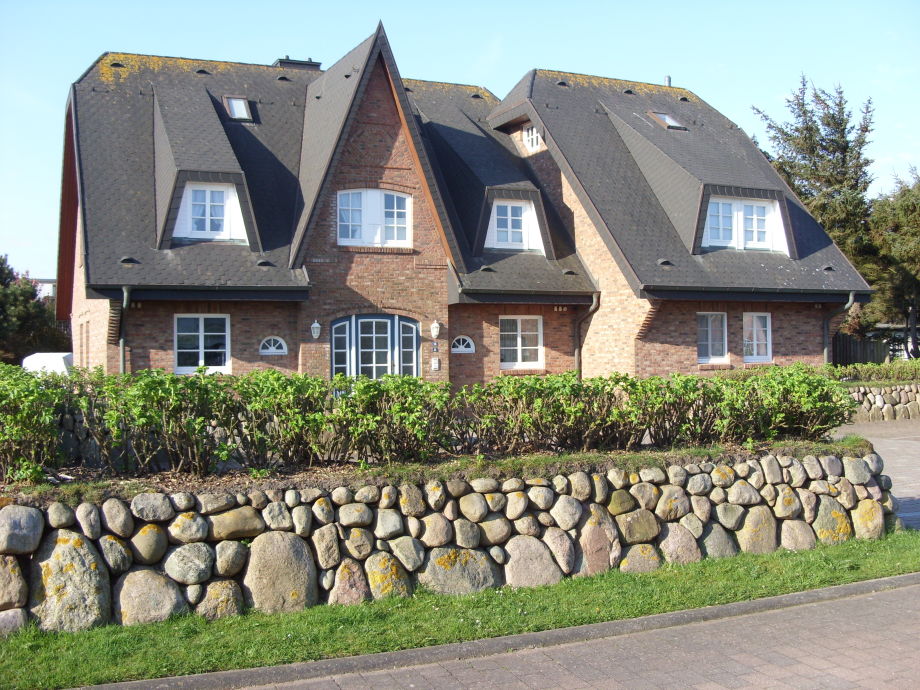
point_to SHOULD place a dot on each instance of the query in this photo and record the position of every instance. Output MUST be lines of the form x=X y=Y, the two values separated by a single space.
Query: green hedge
x=154 y=420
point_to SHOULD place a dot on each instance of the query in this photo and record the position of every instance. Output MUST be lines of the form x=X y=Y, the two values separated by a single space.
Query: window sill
x=714 y=366
x=536 y=371
x=762 y=363
x=365 y=249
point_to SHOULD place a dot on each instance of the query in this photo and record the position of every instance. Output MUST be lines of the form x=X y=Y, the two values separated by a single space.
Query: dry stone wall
x=886 y=403
x=218 y=554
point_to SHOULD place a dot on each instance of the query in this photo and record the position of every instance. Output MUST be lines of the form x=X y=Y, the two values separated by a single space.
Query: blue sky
x=732 y=54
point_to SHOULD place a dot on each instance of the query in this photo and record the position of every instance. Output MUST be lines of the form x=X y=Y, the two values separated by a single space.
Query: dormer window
x=237 y=108
x=513 y=225
x=532 y=139
x=744 y=224
x=210 y=212
x=374 y=218
x=666 y=120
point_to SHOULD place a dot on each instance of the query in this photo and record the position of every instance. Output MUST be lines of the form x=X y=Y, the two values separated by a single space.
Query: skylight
x=237 y=107
x=666 y=120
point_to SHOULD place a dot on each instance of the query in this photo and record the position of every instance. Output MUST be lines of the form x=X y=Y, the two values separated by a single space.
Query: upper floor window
x=210 y=212
x=744 y=224
x=374 y=218
x=532 y=138
x=237 y=107
x=513 y=225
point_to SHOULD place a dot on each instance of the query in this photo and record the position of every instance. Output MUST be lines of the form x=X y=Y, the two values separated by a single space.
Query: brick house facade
x=351 y=221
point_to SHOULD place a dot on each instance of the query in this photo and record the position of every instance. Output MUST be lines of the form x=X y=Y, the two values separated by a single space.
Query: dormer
x=513 y=219
x=743 y=219
x=513 y=225
x=201 y=192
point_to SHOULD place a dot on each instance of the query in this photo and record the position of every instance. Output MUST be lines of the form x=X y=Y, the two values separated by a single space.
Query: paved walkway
x=866 y=641
x=898 y=443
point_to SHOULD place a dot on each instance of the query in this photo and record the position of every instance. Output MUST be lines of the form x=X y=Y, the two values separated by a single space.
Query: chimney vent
x=667 y=80
x=289 y=63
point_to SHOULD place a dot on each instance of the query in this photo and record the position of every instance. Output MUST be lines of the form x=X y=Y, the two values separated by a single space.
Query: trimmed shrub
x=30 y=409
x=154 y=420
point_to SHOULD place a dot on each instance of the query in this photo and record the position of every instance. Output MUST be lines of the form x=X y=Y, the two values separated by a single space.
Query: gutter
x=826 y=325
x=125 y=303
x=595 y=305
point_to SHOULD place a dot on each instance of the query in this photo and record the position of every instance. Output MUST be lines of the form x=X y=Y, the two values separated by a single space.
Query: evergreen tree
x=27 y=323
x=896 y=233
x=820 y=152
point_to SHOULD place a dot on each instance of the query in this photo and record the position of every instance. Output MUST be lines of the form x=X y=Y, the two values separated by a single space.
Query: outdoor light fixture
x=315 y=329
x=435 y=329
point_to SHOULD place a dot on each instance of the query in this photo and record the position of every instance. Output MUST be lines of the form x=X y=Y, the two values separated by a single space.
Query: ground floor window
x=521 y=342
x=375 y=344
x=202 y=340
x=710 y=337
x=758 y=345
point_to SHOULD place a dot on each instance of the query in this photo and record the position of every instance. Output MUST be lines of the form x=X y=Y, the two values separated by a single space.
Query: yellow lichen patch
x=93 y=566
x=634 y=478
x=294 y=595
x=638 y=87
x=385 y=579
x=724 y=473
x=68 y=568
x=147 y=529
x=131 y=63
x=453 y=558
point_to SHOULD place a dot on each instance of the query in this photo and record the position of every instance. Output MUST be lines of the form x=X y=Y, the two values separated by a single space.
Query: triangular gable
x=330 y=109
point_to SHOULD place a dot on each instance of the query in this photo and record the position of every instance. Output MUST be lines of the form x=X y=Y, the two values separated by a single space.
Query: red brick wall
x=150 y=326
x=347 y=280
x=89 y=319
x=608 y=336
x=669 y=345
x=480 y=322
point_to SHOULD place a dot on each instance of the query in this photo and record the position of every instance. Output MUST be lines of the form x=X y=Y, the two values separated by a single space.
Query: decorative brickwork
x=377 y=154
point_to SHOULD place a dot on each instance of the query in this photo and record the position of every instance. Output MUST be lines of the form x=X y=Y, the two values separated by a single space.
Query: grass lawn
x=31 y=659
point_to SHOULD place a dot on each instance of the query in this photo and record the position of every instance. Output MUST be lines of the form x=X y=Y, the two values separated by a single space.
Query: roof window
x=666 y=120
x=237 y=107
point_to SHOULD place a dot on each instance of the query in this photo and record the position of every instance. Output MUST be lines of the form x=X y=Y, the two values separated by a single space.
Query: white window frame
x=530 y=227
x=266 y=351
x=775 y=237
x=234 y=228
x=533 y=140
x=346 y=349
x=372 y=221
x=462 y=345
x=233 y=104
x=186 y=369
x=519 y=347
x=710 y=359
x=754 y=358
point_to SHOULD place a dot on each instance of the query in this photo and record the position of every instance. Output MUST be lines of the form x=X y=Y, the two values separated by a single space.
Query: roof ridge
x=598 y=76
x=451 y=83
x=188 y=59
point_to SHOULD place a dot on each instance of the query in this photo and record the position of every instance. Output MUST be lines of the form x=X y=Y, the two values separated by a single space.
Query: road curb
x=500 y=645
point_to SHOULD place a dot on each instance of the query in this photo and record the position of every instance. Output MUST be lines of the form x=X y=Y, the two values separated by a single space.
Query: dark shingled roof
x=479 y=163
x=121 y=110
x=145 y=125
x=647 y=185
